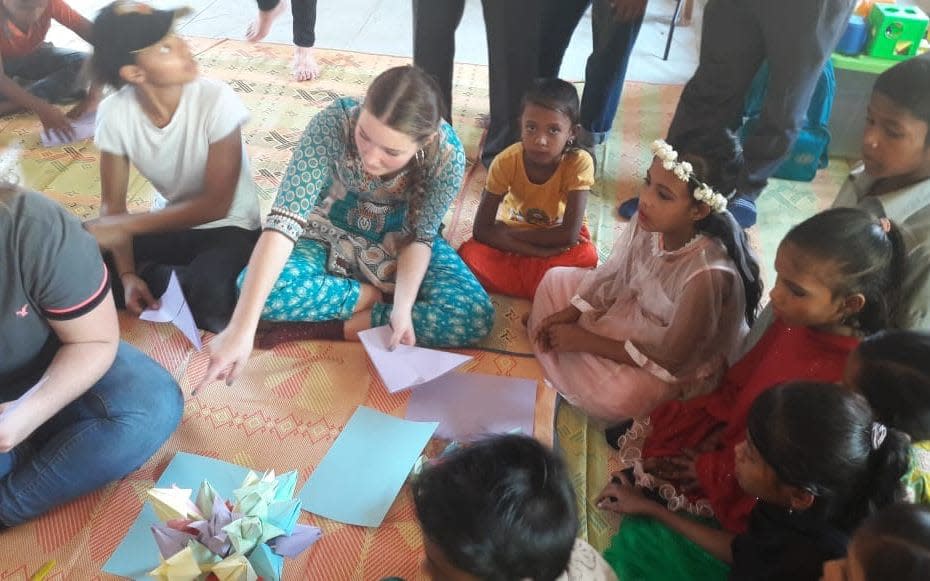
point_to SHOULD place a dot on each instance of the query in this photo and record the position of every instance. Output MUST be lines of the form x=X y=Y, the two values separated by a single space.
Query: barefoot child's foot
x=305 y=67
x=259 y=28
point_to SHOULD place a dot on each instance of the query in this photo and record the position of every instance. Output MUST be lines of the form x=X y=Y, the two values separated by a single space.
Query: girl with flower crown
x=663 y=317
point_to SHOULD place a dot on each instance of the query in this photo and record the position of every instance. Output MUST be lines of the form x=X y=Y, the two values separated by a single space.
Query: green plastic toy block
x=896 y=31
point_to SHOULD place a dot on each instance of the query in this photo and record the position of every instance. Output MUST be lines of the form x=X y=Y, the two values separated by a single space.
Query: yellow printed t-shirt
x=529 y=204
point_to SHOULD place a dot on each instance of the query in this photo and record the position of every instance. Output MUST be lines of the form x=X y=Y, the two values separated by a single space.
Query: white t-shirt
x=174 y=157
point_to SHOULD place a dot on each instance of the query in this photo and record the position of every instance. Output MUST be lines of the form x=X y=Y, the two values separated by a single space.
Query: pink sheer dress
x=680 y=315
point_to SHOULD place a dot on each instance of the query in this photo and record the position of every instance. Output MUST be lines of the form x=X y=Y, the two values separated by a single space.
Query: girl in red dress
x=837 y=278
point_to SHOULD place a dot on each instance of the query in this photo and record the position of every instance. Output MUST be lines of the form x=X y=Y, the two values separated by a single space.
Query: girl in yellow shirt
x=531 y=216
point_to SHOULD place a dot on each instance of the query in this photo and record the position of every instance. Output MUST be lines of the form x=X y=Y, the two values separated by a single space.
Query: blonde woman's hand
x=402 y=327
x=229 y=352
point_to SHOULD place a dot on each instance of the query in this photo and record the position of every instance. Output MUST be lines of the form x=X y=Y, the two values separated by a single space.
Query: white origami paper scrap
x=406 y=366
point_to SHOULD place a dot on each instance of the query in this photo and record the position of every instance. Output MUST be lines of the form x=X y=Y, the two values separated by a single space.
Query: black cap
x=123 y=28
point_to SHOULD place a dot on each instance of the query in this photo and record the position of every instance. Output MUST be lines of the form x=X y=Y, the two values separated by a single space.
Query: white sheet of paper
x=406 y=366
x=174 y=309
x=469 y=406
x=83 y=129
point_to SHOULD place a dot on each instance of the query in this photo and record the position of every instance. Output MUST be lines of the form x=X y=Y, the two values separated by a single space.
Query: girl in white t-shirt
x=183 y=133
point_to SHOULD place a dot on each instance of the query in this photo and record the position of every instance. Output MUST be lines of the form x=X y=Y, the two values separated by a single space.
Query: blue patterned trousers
x=451 y=310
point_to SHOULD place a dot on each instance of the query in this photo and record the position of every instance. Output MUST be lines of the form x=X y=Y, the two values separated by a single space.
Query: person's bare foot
x=305 y=67
x=258 y=29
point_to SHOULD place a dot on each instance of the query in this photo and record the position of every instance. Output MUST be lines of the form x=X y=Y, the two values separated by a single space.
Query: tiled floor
x=385 y=27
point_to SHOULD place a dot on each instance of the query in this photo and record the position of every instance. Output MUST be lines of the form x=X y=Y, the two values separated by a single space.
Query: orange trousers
x=518 y=275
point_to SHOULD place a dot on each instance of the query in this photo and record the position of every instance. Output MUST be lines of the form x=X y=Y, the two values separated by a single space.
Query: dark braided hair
x=894 y=375
x=717 y=159
x=821 y=437
x=870 y=260
x=408 y=100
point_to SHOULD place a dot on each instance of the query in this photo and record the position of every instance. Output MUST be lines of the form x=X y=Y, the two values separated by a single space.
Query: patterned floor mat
x=293 y=402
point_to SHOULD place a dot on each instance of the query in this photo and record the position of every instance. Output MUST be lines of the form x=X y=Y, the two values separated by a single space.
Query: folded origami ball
x=229 y=541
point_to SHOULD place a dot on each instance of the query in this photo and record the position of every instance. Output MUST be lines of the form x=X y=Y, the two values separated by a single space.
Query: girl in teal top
x=353 y=240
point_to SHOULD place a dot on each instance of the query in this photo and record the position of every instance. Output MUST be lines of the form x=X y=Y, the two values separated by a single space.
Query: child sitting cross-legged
x=539 y=187
x=667 y=312
x=36 y=75
x=502 y=509
x=837 y=276
x=818 y=462
x=183 y=132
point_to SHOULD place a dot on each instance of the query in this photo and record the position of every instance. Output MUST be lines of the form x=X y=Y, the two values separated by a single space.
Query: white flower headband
x=685 y=172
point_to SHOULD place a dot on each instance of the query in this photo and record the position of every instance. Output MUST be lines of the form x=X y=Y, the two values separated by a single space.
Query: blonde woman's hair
x=407 y=100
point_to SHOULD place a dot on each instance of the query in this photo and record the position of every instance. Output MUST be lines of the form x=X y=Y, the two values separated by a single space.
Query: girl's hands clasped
x=566 y=316
x=229 y=351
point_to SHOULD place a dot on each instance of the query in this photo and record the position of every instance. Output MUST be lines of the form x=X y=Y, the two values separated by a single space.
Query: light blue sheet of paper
x=138 y=553
x=471 y=405
x=360 y=476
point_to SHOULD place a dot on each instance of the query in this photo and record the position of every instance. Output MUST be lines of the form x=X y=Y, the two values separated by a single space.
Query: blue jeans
x=49 y=73
x=605 y=70
x=103 y=435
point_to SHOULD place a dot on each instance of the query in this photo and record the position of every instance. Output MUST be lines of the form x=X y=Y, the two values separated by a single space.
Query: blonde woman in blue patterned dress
x=353 y=240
